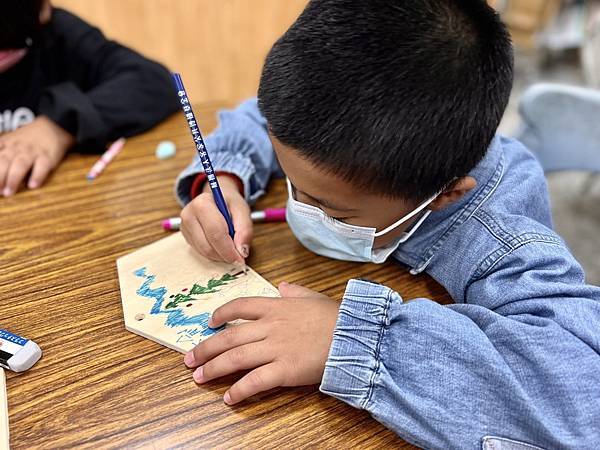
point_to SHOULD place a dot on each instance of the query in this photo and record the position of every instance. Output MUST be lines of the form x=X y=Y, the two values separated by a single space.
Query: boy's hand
x=287 y=343
x=205 y=229
x=37 y=147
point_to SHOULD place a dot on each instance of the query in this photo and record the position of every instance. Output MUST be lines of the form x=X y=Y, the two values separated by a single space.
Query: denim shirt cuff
x=353 y=360
x=222 y=161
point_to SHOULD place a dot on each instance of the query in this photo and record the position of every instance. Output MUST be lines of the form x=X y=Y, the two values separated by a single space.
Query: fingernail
x=33 y=185
x=7 y=192
x=198 y=374
x=245 y=250
x=211 y=323
x=189 y=359
x=227 y=398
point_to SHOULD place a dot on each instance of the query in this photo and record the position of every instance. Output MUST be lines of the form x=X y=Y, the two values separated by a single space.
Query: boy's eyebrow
x=329 y=205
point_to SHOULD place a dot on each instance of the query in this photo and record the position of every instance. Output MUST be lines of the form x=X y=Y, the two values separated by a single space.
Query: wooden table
x=99 y=386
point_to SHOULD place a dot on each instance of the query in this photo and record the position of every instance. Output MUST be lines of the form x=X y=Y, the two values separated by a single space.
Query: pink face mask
x=9 y=58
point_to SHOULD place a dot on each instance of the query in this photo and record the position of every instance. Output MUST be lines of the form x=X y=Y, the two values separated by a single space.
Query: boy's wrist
x=227 y=181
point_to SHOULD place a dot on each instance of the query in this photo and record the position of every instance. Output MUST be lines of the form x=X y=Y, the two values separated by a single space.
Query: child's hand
x=205 y=228
x=37 y=147
x=287 y=343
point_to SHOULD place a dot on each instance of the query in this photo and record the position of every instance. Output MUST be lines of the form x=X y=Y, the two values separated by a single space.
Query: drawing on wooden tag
x=169 y=292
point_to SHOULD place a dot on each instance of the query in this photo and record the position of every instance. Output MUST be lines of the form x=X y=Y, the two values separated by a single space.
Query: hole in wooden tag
x=140 y=316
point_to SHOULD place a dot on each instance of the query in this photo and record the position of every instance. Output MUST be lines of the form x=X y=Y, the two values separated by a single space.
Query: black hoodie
x=94 y=88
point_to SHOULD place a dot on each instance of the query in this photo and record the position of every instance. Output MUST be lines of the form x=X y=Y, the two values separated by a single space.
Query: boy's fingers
x=186 y=236
x=231 y=337
x=216 y=232
x=239 y=358
x=194 y=235
x=295 y=290
x=260 y=379
x=247 y=308
x=41 y=168
x=217 y=235
x=18 y=169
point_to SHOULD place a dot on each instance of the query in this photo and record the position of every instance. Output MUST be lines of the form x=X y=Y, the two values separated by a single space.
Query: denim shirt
x=513 y=363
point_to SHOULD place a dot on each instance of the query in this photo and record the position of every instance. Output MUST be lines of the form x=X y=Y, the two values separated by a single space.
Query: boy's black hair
x=19 y=23
x=398 y=97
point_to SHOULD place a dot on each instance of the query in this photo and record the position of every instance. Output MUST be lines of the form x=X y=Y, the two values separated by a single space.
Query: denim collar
x=421 y=249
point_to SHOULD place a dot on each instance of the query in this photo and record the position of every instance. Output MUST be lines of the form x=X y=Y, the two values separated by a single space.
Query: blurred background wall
x=218 y=45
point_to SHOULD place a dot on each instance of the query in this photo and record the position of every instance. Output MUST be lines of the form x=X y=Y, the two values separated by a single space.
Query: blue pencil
x=202 y=152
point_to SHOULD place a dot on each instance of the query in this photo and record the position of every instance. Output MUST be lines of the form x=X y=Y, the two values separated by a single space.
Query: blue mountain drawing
x=175 y=317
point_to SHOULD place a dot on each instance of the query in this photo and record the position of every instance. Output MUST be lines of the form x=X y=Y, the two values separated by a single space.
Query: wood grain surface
x=99 y=386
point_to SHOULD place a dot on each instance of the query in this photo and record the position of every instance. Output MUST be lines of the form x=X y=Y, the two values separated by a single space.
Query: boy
x=382 y=116
x=63 y=85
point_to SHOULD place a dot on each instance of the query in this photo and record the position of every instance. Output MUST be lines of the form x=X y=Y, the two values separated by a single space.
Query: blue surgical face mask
x=329 y=237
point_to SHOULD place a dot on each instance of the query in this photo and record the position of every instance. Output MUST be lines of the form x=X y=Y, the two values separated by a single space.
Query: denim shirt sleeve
x=240 y=145
x=519 y=360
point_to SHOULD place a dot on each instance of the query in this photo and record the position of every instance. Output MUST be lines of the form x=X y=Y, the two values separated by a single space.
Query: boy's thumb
x=294 y=290
x=242 y=239
x=242 y=223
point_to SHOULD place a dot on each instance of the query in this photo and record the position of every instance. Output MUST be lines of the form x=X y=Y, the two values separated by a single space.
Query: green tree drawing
x=210 y=288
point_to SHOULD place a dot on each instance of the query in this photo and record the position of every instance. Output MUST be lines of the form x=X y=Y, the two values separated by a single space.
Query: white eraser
x=17 y=353
x=166 y=150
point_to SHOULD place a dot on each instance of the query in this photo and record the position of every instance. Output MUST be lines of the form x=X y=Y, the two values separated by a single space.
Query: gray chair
x=561 y=125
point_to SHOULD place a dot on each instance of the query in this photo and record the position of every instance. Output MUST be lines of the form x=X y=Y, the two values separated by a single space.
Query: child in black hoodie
x=63 y=85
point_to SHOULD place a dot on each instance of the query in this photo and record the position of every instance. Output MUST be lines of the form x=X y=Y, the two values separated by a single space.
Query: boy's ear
x=45 y=12
x=454 y=193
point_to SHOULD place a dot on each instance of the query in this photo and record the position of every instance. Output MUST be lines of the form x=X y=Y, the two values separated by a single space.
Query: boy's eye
x=341 y=219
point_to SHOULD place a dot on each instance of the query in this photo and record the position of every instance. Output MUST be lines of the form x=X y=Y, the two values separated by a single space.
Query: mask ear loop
x=420 y=208
x=409 y=216
x=406 y=236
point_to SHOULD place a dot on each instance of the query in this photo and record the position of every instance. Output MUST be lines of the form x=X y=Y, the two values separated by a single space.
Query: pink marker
x=105 y=159
x=174 y=223
x=268 y=215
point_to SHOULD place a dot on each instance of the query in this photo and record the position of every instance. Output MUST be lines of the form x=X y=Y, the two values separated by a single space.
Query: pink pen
x=268 y=215
x=106 y=158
